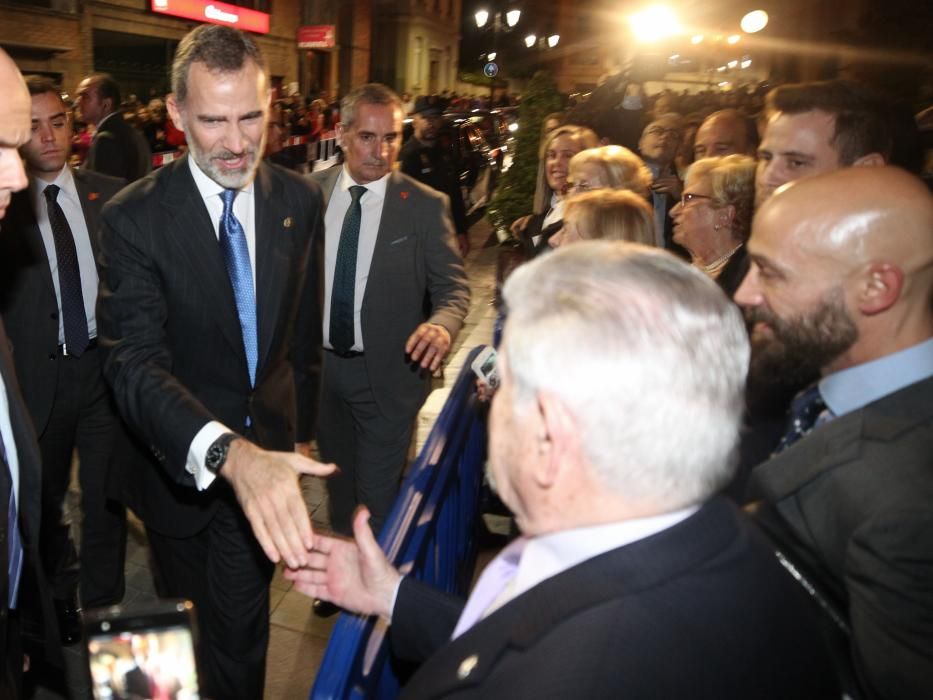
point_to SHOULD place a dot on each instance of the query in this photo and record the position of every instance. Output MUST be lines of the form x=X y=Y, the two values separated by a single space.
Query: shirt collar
x=855 y=387
x=377 y=187
x=64 y=180
x=548 y=555
x=207 y=187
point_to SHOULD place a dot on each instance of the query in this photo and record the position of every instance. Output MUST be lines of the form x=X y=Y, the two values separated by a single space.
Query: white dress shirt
x=70 y=202
x=371 y=204
x=553 y=215
x=245 y=211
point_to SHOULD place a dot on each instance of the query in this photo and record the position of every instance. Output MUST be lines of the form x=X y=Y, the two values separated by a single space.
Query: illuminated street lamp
x=733 y=39
x=481 y=18
x=552 y=40
x=530 y=40
x=512 y=17
x=654 y=23
x=754 y=21
x=491 y=56
x=696 y=39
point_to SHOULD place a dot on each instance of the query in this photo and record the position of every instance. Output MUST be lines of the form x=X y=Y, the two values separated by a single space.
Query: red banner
x=215 y=13
x=320 y=36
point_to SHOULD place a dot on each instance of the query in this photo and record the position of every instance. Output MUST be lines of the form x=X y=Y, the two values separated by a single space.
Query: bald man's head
x=14 y=130
x=842 y=267
x=725 y=133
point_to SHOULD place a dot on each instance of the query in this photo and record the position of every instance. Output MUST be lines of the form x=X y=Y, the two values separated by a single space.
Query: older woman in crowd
x=613 y=167
x=557 y=148
x=618 y=215
x=713 y=218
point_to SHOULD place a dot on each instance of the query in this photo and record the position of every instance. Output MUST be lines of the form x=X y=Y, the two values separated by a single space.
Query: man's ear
x=341 y=132
x=174 y=112
x=879 y=288
x=870 y=159
x=558 y=441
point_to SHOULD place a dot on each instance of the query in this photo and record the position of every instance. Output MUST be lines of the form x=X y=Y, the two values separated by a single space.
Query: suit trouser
x=369 y=448
x=82 y=417
x=225 y=573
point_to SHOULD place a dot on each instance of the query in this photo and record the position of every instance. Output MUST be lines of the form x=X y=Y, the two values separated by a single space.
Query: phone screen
x=142 y=658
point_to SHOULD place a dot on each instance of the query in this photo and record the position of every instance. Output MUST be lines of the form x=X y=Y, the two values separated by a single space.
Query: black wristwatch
x=217 y=452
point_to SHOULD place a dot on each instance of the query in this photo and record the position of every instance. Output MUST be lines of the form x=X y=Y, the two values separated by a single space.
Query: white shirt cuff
x=394 y=599
x=197 y=453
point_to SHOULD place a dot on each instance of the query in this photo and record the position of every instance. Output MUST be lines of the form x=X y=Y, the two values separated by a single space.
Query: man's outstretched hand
x=266 y=485
x=352 y=574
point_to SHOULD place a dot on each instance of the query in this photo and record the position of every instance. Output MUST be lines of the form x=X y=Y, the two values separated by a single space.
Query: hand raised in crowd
x=428 y=345
x=352 y=574
x=669 y=184
x=519 y=225
x=266 y=485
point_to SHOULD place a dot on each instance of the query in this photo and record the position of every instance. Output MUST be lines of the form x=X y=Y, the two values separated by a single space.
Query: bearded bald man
x=841 y=283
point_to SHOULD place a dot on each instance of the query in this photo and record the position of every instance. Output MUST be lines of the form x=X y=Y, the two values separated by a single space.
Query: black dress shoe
x=68 y=613
x=324 y=609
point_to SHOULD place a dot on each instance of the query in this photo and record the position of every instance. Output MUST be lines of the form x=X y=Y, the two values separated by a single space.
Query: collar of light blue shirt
x=376 y=187
x=855 y=387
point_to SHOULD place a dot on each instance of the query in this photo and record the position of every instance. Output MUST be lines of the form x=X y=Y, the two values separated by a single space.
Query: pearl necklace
x=714 y=267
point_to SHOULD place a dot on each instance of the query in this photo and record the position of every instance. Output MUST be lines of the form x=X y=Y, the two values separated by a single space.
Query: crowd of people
x=190 y=331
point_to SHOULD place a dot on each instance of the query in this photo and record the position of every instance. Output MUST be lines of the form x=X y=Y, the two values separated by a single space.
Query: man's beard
x=794 y=356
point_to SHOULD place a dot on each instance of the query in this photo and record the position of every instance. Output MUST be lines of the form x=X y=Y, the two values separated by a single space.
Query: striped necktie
x=236 y=256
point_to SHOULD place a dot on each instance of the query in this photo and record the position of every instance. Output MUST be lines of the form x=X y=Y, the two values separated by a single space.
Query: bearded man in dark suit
x=210 y=320
x=840 y=287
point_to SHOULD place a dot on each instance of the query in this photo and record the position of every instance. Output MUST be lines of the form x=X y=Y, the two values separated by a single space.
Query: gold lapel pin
x=287 y=223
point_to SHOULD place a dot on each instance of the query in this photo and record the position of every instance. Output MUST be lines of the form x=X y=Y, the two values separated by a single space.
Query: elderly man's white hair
x=648 y=354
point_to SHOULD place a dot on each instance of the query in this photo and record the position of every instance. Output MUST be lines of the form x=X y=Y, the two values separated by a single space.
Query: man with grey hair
x=725 y=133
x=210 y=323
x=389 y=246
x=622 y=372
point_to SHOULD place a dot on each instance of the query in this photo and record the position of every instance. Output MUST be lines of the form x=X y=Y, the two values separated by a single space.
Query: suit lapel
x=626 y=571
x=392 y=214
x=274 y=223
x=840 y=441
x=90 y=205
x=194 y=234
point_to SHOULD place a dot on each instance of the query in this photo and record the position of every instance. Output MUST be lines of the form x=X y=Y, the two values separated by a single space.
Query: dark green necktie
x=341 y=298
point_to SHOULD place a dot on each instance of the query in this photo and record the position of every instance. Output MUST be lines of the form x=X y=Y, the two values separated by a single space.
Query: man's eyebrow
x=764 y=261
x=252 y=115
x=795 y=154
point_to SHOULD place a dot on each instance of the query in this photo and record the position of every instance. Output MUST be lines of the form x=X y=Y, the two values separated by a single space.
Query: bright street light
x=733 y=39
x=481 y=18
x=512 y=17
x=732 y=64
x=491 y=55
x=754 y=21
x=746 y=63
x=530 y=40
x=696 y=39
x=654 y=23
x=552 y=40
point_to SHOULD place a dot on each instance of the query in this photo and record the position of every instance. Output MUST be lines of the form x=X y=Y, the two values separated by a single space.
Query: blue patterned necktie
x=344 y=287
x=236 y=256
x=74 y=317
x=14 y=540
x=805 y=410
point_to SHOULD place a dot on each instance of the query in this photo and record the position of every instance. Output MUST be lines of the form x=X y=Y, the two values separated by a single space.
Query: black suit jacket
x=700 y=610
x=119 y=149
x=853 y=503
x=27 y=295
x=35 y=598
x=171 y=335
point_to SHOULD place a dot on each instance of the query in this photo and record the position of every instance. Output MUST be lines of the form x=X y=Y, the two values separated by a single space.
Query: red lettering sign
x=215 y=13
x=319 y=36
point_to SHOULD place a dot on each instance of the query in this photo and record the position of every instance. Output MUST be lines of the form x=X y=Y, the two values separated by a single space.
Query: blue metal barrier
x=430 y=534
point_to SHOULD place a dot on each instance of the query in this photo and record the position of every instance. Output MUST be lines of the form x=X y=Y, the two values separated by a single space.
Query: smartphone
x=484 y=367
x=142 y=653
